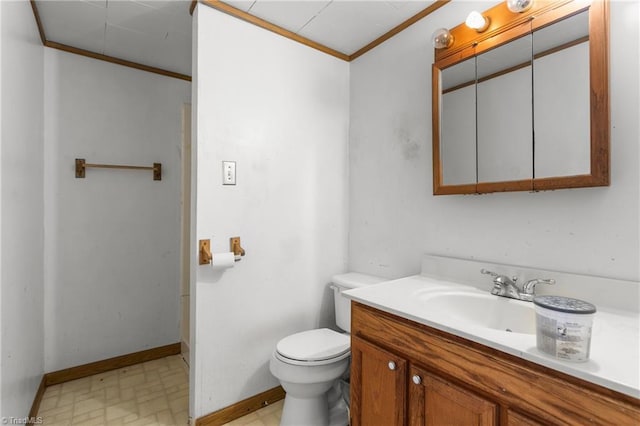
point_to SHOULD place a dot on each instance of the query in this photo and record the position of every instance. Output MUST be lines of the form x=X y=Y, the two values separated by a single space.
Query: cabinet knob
x=416 y=379
x=392 y=365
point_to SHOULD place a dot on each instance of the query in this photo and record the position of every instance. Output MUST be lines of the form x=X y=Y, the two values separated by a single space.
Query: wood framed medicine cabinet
x=524 y=105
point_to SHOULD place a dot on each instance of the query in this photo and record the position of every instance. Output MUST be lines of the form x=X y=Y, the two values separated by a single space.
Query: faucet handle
x=496 y=275
x=530 y=286
x=487 y=272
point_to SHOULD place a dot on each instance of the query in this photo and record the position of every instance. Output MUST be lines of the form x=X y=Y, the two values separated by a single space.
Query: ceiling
x=150 y=32
x=157 y=33
x=345 y=26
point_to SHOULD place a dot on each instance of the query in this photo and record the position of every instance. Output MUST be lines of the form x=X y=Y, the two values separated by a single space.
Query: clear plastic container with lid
x=563 y=327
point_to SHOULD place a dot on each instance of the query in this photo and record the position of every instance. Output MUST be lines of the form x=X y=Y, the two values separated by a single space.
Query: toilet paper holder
x=205 y=256
x=236 y=248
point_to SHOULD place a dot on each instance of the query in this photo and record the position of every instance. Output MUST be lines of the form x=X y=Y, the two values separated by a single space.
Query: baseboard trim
x=37 y=399
x=105 y=365
x=241 y=408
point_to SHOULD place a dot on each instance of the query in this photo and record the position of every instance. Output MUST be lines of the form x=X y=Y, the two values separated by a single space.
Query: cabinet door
x=516 y=419
x=434 y=402
x=378 y=385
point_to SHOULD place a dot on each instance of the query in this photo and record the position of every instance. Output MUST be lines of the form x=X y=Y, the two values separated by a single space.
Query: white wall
x=394 y=217
x=280 y=110
x=21 y=198
x=112 y=239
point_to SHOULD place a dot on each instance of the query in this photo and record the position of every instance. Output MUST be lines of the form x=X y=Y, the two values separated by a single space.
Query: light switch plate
x=228 y=172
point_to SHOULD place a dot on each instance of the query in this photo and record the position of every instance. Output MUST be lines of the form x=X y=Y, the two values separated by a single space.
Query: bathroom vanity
x=408 y=373
x=416 y=361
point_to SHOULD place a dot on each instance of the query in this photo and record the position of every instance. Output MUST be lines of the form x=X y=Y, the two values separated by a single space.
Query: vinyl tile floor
x=151 y=393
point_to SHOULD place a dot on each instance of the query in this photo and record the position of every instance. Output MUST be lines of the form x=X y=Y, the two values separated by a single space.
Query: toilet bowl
x=308 y=364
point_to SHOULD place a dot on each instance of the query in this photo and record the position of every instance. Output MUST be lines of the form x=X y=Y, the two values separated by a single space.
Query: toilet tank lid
x=355 y=280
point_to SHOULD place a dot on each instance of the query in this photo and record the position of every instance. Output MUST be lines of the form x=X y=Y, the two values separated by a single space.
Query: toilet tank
x=344 y=282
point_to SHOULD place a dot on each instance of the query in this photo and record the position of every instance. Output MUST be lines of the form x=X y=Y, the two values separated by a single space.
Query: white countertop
x=614 y=361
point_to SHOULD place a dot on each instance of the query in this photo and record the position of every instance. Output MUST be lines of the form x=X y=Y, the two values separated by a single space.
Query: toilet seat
x=314 y=347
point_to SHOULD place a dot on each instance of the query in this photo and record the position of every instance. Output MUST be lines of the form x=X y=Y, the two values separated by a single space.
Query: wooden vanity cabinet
x=381 y=396
x=516 y=419
x=432 y=399
x=382 y=384
x=406 y=373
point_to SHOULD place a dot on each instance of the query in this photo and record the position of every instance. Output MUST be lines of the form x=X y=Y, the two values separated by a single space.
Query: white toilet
x=309 y=364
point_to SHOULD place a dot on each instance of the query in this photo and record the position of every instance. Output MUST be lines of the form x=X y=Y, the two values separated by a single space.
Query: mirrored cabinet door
x=505 y=143
x=561 y=93
x=458 y=123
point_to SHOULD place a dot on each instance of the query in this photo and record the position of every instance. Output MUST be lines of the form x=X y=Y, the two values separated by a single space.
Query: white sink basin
x=482 y=310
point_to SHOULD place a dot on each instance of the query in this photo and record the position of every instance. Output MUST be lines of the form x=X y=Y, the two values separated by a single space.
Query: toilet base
x=329 y=409
x=305 y=411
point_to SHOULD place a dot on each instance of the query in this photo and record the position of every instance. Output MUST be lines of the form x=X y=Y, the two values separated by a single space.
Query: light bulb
x=519 y=6
x=442 y=38
x=476 y=21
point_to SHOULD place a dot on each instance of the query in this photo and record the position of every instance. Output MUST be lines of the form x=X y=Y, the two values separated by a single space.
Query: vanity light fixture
x=519 y=6
x=476 y=21
x=442 y=38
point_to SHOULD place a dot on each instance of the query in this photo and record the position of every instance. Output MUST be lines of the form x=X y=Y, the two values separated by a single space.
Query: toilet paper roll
x=222 y=261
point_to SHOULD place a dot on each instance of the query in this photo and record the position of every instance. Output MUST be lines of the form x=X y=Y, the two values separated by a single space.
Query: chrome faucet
x=503 y=285
x=506 y=287
x=529 y=288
